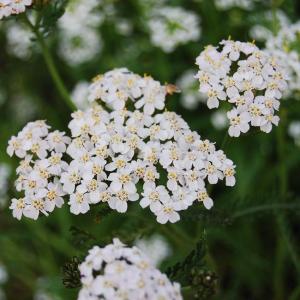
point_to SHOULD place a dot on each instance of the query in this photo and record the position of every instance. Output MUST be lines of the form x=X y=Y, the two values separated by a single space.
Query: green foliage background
x=249 y=239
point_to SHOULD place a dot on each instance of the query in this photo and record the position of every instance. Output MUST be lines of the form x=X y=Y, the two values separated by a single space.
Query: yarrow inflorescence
x=172 y=26
x=13 y=7
x=80 y=39
x=39 y=171
x=248 y=78
x=284 y=46
x=120 y=272
x=118 y=155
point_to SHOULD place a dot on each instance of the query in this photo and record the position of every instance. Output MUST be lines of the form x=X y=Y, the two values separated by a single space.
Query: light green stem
x=51 y=65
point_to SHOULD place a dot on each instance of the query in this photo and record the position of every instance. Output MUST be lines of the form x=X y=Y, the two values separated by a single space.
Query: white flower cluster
x=80 y=40
x=190 y=96
x=39 y=171
x=228 y=4
x=119 y=86
x=13 y=7
x=113 y=152
x=120 y=272
x=173 y=26
x=285 y=47
x=245 y=76
x=19 y=40
x=4 y=176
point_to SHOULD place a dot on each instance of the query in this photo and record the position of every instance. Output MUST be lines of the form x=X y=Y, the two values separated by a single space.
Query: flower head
x=39 y=170
x=173 y=26
x=117 y=271
x=248 y=78
x=13 y=7
x=117 y=157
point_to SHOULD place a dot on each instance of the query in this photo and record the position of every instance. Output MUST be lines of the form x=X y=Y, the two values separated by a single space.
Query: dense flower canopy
x=118 y=156
x=119 y=272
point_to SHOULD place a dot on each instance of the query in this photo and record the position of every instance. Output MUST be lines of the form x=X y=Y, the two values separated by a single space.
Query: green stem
x=51 y=65
x=225 y=141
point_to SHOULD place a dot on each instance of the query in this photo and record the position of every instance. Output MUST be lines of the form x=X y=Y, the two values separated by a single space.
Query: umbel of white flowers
x=112 y=152
x=248 y=78
x=120 y=272
x=13 y=7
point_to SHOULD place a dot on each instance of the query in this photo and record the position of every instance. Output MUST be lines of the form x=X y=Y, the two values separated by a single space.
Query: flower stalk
x=51 y=65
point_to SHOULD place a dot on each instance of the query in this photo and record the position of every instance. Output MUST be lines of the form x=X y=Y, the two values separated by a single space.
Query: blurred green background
x=251 y=234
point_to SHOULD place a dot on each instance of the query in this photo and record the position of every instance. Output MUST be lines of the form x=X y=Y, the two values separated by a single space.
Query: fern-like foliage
x=49 y=11
x=71 y=274
x=197 y=280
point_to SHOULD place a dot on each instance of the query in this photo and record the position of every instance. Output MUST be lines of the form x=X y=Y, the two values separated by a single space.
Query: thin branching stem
x=51 y=65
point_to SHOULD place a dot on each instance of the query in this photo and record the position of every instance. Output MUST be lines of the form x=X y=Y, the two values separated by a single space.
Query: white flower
x=173 y=26
x=122 y=180
x=117 y=271
x=120 y=199
x=203 y=197
x=153 y=195
x=53 y=196
x=79 y=39
x=239 y=122
x=235 y=72
x=71 y=177
x=79 y=202
x=57 y=141
x=12 y=7
x=34 y=207
x=15 y=147
x=167 y=212
x=18 y=206
x=183 y=198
